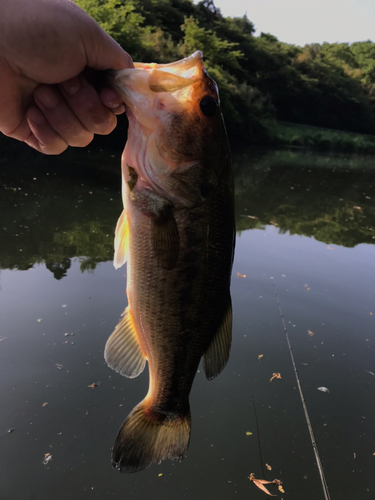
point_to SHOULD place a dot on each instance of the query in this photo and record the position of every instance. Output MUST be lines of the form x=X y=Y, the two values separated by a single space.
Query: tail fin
x=148 y=437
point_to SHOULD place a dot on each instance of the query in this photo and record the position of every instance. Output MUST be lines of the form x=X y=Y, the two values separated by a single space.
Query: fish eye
x=208 y=105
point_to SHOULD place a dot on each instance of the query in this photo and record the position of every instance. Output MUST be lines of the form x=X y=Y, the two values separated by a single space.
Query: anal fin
x=121 y=240
x=216 y=356
x=122 y=351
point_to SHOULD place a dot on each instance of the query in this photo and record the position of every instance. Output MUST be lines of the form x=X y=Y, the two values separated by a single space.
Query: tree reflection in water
x=52 y=211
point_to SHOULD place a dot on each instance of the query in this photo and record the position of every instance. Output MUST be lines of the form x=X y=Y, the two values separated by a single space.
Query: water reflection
x=55 y=210
x=46 y=218
x=78 y=424
x=328 y=198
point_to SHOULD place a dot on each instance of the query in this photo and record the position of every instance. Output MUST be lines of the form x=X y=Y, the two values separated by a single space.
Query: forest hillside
x=261 y=79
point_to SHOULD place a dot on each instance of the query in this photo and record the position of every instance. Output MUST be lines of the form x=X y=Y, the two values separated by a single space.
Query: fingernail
x=110 y=98
x=71 y=86
x=47 y=97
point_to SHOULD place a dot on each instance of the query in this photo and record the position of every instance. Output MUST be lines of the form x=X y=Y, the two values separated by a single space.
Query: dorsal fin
x=216 y=356
x=121 y=240
x=122 y=351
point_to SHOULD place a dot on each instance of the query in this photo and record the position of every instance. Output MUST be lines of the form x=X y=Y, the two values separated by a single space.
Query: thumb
x=102 y=51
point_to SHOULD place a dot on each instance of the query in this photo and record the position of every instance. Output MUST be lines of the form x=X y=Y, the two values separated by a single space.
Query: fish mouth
x=144 y=83
x=167 y=127
x=187 y=68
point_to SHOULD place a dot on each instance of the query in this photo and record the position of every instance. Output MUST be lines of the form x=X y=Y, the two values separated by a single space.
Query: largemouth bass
x=177 y=233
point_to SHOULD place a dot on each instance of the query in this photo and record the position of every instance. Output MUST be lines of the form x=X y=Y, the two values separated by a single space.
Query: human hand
x=45 y=99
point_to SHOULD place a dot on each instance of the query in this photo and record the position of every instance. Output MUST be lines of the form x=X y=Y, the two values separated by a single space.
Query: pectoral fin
x=121 y=241
x=122 y=351
x=165 y=240
x=217 y=354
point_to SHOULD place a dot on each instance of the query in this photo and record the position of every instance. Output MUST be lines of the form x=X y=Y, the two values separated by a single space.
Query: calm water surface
x=306 y=220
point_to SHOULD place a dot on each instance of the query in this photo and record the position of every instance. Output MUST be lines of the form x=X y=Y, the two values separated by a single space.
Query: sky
x=307 y=21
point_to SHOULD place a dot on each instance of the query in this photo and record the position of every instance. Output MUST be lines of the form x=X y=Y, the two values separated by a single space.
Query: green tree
x=120 y=19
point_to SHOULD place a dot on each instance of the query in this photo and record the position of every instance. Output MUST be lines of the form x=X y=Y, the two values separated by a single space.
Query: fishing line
x=313 y=442
x=260 y=449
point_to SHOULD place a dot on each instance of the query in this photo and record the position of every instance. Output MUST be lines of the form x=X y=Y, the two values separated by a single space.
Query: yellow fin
x=122 y=351
x=217 y=354
x=121 y=241
x=148 y=436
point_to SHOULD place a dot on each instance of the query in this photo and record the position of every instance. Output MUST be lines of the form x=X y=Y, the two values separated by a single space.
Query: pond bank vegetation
x=262 y=80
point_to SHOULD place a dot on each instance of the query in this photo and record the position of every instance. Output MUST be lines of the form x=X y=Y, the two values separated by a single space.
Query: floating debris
x=275 y=375
x=93 y=385
x=47 y=458
x=241 y=275
x=261 y=482
x=323 y=389
x=249 y=216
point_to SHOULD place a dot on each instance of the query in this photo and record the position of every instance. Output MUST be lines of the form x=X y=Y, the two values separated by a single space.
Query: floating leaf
x=275 y=375
x=241 y=275
x=268 y=467
x=260 y=356
x=310 y=333
x=261 y=482
x=249 y=433
x=44 y=404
